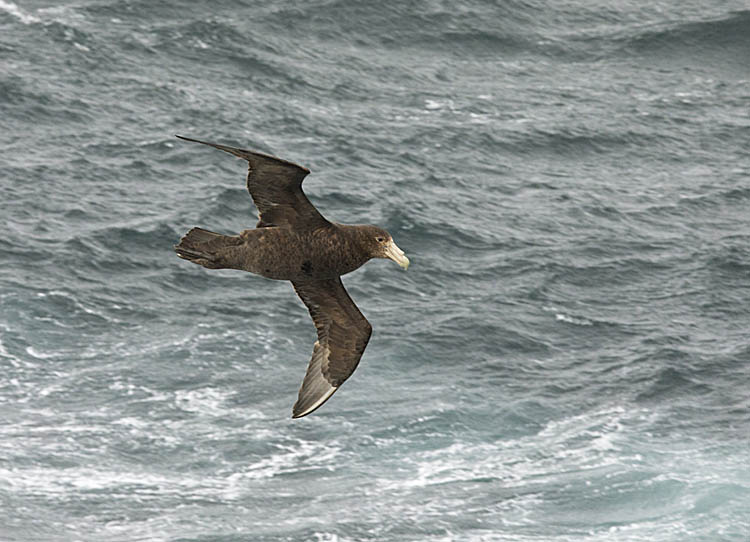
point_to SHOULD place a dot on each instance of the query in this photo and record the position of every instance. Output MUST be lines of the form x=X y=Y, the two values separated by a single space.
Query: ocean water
x=567 y=359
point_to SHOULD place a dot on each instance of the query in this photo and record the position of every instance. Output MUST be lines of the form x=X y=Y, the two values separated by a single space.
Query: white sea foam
x=15 y=11
x=33 y=352
x=5 y=354
x=572 y=320
x=206 y=401
x=295 y=457
x=435 y=105
x=589 y=442
x=65 y=482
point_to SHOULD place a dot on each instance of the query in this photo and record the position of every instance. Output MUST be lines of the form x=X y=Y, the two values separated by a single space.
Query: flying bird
x=293 y=241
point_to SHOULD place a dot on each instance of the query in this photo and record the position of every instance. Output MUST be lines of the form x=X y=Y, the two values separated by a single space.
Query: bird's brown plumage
x=276 y=188
x=293 y=241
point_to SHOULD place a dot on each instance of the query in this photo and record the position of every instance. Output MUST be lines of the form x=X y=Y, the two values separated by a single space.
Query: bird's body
x=282 y=254
x=292 y=241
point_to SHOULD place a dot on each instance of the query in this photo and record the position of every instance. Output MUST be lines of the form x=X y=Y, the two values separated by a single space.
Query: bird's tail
x=207 y=248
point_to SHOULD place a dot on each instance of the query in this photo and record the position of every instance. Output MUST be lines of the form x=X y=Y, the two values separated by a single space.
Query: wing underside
x=343 y=334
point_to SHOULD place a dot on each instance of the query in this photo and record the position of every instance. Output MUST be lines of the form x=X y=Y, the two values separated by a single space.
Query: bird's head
x=381 y=245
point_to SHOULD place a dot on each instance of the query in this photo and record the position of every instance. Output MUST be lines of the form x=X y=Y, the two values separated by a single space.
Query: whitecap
x=34 y=353
x=207 y=401
x=572 y=320
x=293 y=458
x=18 y=13
x=14 y=361
x=433 y=105
x=52 y=481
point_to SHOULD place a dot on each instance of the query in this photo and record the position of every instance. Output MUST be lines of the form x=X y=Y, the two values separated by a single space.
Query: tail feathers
x=206 y=248
x=199 y=235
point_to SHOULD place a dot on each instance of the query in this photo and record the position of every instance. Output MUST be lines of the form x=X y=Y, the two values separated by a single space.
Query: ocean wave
x=579 y=141
x=134 y=240
x=479 y=30
x=723 y=38
x=232 y=205
x=12 y=9
x=671 y=382
x=26 y=101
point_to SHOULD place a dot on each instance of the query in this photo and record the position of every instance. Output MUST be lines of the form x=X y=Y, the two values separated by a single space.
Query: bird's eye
x=379 y=239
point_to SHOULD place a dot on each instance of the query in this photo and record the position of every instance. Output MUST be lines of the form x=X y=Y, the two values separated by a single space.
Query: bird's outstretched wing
x=276 y=188
x=343 y=333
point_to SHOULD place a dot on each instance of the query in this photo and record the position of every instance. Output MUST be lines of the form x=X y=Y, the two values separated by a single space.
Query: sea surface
x=567 y=359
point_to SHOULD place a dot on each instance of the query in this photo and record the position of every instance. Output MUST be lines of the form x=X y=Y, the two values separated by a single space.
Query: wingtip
x=245 y=154
x=190 y=139
x=303 y=408
x=297 y=415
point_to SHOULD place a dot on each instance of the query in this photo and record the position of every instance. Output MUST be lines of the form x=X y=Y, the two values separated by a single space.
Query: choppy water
x=567 y=359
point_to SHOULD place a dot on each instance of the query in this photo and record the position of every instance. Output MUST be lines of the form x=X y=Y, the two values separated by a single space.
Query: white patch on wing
x=316 y=404
x=315 y=387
